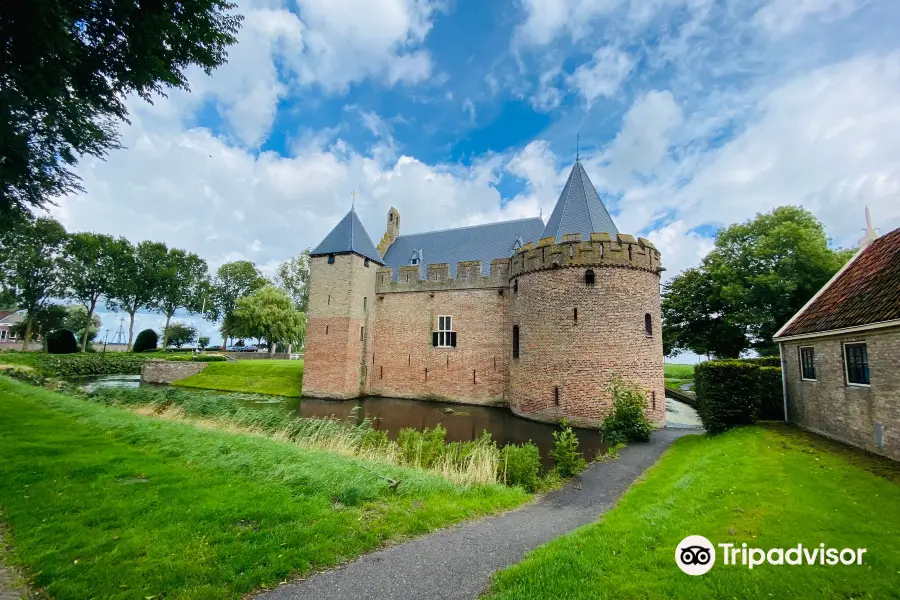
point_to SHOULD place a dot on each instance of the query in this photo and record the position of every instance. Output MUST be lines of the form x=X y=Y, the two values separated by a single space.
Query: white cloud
x=602 y=75
x=784 y=16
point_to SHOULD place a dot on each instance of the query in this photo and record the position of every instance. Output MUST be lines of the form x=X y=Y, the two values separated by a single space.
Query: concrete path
x=458 y=562
x=679 y=414
x=11 y=585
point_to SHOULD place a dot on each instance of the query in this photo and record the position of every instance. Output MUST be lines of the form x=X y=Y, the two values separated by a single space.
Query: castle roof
x=579 y=209
x=863 y=293
x=348 y=236
x=478 y=242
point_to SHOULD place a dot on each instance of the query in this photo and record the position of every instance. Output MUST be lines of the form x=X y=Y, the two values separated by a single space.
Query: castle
x=521 y=314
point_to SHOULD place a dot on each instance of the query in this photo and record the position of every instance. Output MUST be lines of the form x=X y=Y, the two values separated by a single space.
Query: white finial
x=353 y=202
x=871 y=234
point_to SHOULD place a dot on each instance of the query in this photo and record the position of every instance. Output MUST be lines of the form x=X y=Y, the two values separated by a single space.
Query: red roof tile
x=868 y=291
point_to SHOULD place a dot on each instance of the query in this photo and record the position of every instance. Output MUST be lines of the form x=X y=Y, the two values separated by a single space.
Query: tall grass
x=465 y=463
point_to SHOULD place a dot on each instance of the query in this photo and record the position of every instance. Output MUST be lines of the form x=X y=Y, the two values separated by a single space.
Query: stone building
x=841 y=352
x=521 y=314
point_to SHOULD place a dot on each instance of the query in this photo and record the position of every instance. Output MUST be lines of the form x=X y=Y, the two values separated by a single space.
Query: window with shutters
x=444 y=337
x=856 y=363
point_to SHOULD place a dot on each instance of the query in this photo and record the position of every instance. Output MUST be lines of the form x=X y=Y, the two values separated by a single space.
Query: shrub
x=763 y=361
x=565 y=451
x=210 y=358
x=79 y=365
x=146 y=340
x=628 y=422
x=61 y=341
x=422 y=448
x=520 y=465
x=727 y=393
x=771 y=394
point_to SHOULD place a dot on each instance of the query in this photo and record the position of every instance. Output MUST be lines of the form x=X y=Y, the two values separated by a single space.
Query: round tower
x=582 y=311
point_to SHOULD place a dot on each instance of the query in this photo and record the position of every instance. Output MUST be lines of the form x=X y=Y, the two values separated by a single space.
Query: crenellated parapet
x=469 y=276
x=600 y=250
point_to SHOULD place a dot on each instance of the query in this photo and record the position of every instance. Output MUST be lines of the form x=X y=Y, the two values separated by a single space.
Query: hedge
x=763 y=361
x=738 y=392
x=771 y=394
x=146 y=341
x=79 y=365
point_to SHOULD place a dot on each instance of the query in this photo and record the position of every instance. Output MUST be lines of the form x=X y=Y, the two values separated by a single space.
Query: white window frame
x=800 y=359
x=847 y=370
x=3 y=334
x=447 y=322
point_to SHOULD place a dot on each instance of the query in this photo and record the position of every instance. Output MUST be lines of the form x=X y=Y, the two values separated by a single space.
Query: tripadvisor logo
x=696 y=555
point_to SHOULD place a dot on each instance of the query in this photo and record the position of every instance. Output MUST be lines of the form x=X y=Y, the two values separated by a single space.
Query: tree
x=756 y=277
x=88 y=268
x=293 y=277
x=179 y=333
x=45 y=321
x=203 y=342
x=61 y=341
x=146 y=340
x=29 y=255
x=270 y=314
x=233 y=281
x=181 y=276
x=84 y=327
x=136 y=280
x=68 y=68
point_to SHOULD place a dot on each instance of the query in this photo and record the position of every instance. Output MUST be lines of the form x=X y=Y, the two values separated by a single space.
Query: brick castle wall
x=340 y=319
x=848 y=413
x=475 y=371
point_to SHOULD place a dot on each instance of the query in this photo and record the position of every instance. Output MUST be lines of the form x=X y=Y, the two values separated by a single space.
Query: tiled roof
x=478 y=242
x=348 y=235
x=11 y=318
x=866 y=292
x=579 y=209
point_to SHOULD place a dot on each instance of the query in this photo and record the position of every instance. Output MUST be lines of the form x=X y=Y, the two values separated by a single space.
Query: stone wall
x=403 y=362
x=849 y=413
x=566 y=361
x=340 y=313
x=163 y=371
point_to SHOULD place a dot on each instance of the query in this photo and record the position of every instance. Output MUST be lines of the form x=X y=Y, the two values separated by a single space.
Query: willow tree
x=269 y=313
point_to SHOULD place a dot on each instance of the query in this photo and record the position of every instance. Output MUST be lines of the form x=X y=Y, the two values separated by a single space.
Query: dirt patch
x=13 y=585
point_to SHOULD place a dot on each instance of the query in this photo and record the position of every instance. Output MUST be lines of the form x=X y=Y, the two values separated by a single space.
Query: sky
x=689 y=115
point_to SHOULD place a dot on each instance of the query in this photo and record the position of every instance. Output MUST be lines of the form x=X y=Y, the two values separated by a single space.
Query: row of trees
x=756 y=277
x=41 y=262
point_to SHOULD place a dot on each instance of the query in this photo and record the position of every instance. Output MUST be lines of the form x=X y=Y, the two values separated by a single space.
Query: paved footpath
x=458 y=562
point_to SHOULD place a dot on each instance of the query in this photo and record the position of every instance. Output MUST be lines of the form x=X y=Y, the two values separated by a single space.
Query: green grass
x=771 y=487
x=274 y=377
x=27 y=359
x=676 y=371
x=104 y=503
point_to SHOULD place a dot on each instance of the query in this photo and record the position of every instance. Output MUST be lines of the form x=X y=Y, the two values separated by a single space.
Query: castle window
x=331 y=259
x=362 y=333
x=556 y=396
x=589 y=277
x=648 y=324
x=366 y=262
x=516 y=286
x=416 y=257
x=444 y=337
x=515 y=341
x=326 y=330
x=575 y=314
x=365 y=302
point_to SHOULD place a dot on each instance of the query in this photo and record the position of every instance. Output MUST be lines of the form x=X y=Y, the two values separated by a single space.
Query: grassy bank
x=105 y=503
x=677 y=374
x=274 y=377
x=769 y=487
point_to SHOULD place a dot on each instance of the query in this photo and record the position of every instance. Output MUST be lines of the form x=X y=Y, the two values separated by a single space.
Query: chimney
x=392 y=232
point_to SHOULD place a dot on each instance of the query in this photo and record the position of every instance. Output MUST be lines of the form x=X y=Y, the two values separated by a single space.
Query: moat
x=463 y=422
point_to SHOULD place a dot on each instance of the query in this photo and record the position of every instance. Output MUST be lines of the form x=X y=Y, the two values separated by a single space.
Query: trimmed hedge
x=737 y=392
x=79 y=365
x=763 y=361
x=145 y=341
x=61 y=341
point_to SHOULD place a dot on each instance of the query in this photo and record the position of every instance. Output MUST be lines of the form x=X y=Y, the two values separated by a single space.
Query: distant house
x=841 y=352
x=7 y=320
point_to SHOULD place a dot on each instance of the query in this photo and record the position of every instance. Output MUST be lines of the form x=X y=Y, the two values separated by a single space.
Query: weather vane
x=353 y=201
x=577 y=146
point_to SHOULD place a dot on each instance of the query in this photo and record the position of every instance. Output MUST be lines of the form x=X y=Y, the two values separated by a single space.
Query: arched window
x=515 y=341
x=589 y=277
x=331 y=259
x=648 y=324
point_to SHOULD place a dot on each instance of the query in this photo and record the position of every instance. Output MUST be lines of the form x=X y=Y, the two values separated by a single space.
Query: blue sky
x=692 y=114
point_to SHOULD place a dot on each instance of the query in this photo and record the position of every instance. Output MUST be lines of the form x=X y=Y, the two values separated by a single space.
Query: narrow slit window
x=365 y=302
x=326 y=330
x=589 y=277
x=515 y=341
x=575 y=315
x=362 y=333
x=516 y=286
x=807 y=363
x=648 y=324
x=556 y=395
x=366 y=263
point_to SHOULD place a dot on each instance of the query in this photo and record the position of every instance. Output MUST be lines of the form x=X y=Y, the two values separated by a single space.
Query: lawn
x=676 y=371
x=104 y=503
x=274 y=377
x=771 y=487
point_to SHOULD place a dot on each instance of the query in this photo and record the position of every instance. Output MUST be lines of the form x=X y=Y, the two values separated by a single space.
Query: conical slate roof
x=579 y=209
x=348 y=235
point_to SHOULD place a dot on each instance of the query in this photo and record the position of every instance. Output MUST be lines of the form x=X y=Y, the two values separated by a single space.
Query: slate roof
x=867 y=291
x=579 y=209
x=348 y=235
x=478 y=242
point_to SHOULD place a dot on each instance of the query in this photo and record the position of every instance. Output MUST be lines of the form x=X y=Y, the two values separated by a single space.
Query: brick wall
x=579 y=357
x=475 y=371
x=340 y=313
x=846 y=412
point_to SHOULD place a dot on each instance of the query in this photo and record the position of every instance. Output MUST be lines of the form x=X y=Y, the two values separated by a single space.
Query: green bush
x=210 y=358
x=628 y=421
x=79 y=365
x=763 y=361
x=520 y=465
x=771 y=394
x=61 y=341
x=569 y=460
x=727 y=393
x=146 y=340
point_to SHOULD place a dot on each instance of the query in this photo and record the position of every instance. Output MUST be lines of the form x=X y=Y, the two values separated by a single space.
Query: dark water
x=464 y=423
